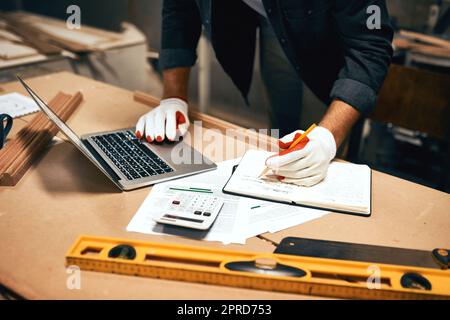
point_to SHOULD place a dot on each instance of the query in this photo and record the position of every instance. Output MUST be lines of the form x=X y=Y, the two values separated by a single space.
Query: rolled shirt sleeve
x=174 y=58
x=367 y=53
x=181 y=29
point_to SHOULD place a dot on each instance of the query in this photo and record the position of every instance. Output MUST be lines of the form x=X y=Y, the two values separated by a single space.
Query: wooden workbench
x=63 y=196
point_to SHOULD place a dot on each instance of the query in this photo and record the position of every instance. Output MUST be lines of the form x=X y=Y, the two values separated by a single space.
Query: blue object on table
x=6 y=122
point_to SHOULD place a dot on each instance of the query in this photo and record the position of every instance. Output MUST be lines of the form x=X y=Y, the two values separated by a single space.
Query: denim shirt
x=327 y=42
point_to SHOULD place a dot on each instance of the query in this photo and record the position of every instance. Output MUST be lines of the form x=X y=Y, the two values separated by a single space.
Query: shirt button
x=283 y=40
x=309 y=12
x=269 y=10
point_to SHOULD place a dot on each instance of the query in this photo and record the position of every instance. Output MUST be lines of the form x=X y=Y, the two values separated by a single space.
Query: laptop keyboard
x=131 y=156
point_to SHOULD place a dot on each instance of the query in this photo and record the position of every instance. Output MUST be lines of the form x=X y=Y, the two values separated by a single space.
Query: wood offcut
x=18 y=155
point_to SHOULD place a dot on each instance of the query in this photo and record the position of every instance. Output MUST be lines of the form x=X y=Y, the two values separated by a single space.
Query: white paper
x=346 y=186
x=240 y=218
x=273 y=217
x=17 y=105
x=224 y=229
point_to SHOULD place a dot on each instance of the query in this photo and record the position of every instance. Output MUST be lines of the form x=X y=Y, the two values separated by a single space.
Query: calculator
x=197 y=211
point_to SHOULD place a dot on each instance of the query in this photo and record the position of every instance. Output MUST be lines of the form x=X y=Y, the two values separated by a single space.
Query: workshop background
x=408 y=135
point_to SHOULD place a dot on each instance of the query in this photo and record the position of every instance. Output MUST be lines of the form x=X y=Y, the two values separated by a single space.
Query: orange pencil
x=293 y=144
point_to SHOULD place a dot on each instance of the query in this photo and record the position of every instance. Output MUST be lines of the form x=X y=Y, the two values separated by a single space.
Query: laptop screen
x=73 y=137
x=53 y=117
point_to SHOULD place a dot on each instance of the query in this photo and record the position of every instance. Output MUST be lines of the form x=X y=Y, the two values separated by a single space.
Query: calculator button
x=197 y=212
x=206 y=214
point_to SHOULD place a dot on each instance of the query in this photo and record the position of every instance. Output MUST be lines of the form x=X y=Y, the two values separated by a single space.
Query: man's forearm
x=176 y=83
x=339 y=119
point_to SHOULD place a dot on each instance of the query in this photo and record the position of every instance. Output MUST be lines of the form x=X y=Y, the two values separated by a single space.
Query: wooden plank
x=405 y=44
x=19 y=154
x=11 y=50
x=5 y=35
x=10 y=151
x=50 y=36
x=432 y=51
x=30 y=35
x=41 y=138
x=439 y=42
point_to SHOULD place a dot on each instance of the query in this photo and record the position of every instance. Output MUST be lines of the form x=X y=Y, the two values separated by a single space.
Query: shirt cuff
x=357 y=94
x=174 y=58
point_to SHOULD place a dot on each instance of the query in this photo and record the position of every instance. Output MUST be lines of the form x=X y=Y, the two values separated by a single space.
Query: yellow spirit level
x=261 y=271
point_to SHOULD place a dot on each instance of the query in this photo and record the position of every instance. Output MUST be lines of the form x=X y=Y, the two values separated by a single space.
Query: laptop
x=127 y=161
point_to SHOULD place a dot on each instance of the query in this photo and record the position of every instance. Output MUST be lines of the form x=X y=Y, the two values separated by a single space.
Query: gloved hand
x=307 y=163
x=166 y=120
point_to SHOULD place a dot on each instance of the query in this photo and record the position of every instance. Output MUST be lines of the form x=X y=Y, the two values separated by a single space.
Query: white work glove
x=169 y=119
x=307 y=163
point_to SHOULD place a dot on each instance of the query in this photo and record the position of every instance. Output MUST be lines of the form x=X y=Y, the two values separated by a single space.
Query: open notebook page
x=347 y=186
